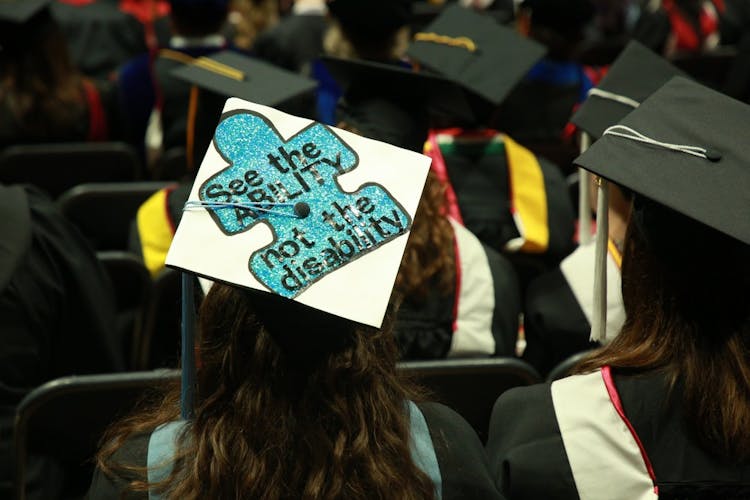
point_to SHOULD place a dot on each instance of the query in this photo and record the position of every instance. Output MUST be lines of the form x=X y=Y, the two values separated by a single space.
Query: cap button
x=713 y=155
x=302 y=209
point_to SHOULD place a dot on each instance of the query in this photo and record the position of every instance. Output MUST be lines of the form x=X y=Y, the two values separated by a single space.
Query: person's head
x=558 y=25
x=368 y=29
x=37 y=78
x=250 y=18
x=291 y=402
x=197 y=18
x=686 y=262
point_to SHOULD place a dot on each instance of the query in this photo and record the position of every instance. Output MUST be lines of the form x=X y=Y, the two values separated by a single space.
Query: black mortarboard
x=233 y=75
x=367 y=80
x=636 y=74
x=683 y=147
x=20 y=11
x=476 y=51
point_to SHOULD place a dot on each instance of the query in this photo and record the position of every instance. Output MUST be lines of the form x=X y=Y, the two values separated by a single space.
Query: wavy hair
x=429 y=258
x=291 y=403
x=686 y=293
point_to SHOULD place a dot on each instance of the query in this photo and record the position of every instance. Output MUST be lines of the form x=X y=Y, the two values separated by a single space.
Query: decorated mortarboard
x=470 y=48
x=230 y=74
x=636 y=74
x=685 y=148
x=365 y=80
x=298 y=209
x=20 y=11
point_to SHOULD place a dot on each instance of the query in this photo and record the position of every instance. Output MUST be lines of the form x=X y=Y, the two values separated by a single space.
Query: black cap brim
x=258 y=81
x=636 y=74
x=715 y=193
x=20 y=11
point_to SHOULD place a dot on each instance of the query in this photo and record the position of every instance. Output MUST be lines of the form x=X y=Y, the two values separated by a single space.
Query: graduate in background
x=373 y=30
x=298 y=38
x=512 y=200
x=457 y=296
x=675 y=381
x=155 y=104
x=57 y=317
x=293 y=400
x=559 y=305
x=538 y=109
x=43 y=98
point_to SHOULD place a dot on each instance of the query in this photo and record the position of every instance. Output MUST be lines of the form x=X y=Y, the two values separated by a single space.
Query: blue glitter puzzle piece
x=301 y=172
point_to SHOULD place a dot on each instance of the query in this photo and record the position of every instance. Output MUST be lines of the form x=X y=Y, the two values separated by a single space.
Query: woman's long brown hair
x=38 y=79
x=429 y=258
x=686 y=292
x=292 y=403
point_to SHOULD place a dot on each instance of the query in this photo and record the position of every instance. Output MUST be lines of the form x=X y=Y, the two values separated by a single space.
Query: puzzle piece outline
x=264 y=219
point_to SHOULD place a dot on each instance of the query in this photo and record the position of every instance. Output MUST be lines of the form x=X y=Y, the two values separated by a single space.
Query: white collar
x=186 y=42
x=309 y=7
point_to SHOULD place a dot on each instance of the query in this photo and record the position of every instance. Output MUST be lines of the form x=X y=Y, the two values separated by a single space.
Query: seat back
x=64 y=419
x=172 y=165
x=160 y=342
x=132 y=285
x=104 y=212
x=56 y=168
x=563 y=368
x=709 y=68
x=471 y=386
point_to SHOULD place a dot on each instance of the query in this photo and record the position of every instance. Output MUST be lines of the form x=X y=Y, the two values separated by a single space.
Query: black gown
x=461 y=459
x=479 y=173
x=531 y=458
x=558 y=306
x=57 y=310
x=478 y=318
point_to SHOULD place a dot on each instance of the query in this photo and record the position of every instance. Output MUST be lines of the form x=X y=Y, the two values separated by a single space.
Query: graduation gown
x=478 y=318
x=604 y=435
x=559 y=307
x=93 y=120
x=57 y=312
x=510 y=199
x=461 y=462
x=538 y=108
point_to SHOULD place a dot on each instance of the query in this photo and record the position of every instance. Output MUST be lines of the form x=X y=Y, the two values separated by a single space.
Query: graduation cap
x=416 y=94
x=300 y=210
x=230 y=74
x=474 y=50
x=684 y=148
x=636 y=74
x=20 y=11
